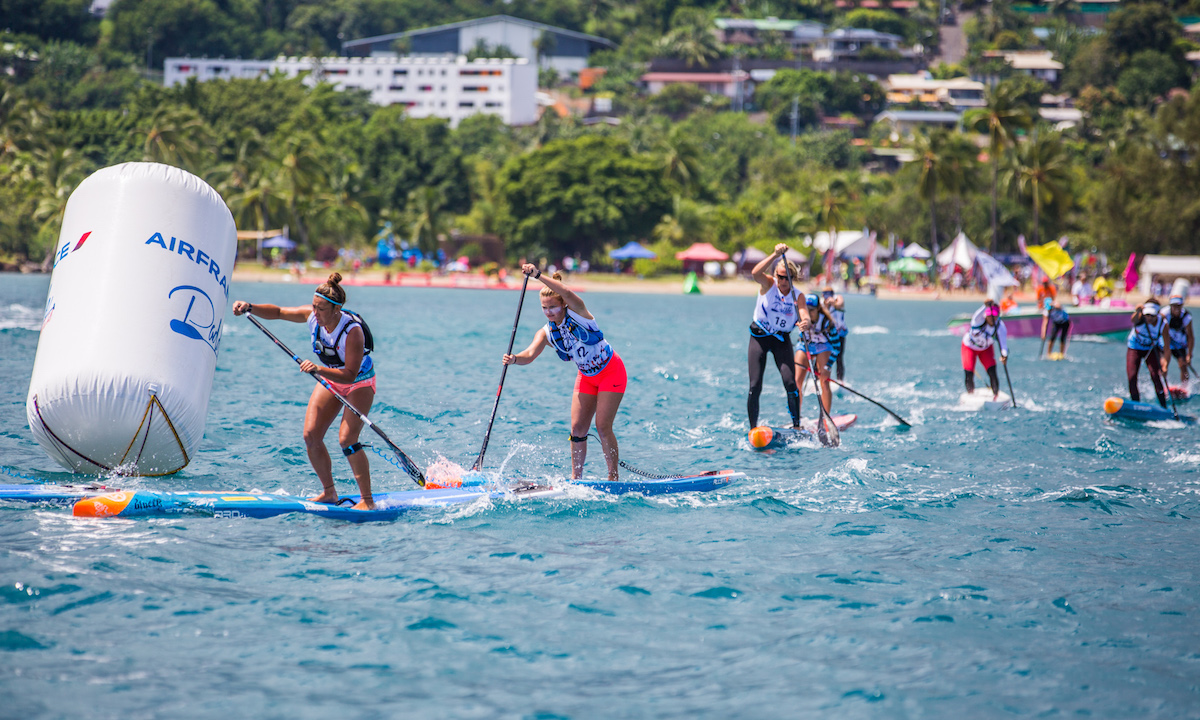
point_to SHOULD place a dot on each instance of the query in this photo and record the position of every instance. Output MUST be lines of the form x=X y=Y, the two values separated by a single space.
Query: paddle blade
x=832 y=436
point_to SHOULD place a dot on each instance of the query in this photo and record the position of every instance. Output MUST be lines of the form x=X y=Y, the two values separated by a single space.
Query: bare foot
x=328 y=496
x=367 y=504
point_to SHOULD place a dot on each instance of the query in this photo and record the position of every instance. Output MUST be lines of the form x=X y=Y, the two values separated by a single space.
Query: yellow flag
x=1052 y=259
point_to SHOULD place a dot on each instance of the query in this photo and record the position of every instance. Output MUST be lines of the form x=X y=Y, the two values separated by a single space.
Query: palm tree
x=691 y=38
x=681 y=158
x=1041 y=169
x=999 y=119
x=176 y=136
x=939 y=164
x=338 y=207
x=301 y=177
x=425 y=206
x=51 y=171
x=687 y=222
x=836 y=197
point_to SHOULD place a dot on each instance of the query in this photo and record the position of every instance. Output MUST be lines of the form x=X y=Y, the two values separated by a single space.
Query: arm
x=759 y=273
x=1002 y=336
x=297 y=314
x=1191 y=343
x=530 y=353
x=573 y=301
x=1045 y=321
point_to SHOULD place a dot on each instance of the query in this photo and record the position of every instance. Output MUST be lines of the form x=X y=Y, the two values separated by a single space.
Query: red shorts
x=611 y=379
x=970 y=355
x=344 y=389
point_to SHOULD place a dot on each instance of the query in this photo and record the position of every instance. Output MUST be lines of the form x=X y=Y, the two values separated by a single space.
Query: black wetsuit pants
x=1153 y=358
x=784 y=360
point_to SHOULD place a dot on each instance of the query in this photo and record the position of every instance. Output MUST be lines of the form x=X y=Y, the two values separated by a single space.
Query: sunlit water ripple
x=1027 y=563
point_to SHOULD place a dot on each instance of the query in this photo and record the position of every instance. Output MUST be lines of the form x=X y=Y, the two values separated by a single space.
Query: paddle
x=503 y=371
x=827 y=431
x=902 y=421
x=405 y=461
x=1011 y=395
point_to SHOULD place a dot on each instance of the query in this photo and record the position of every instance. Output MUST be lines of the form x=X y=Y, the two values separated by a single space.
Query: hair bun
x=557 y=275
x=335 y=278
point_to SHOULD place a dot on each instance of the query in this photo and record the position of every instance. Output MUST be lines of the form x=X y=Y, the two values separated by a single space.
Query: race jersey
x=1177 y=326
x=1147 y=335
x=579 y=339
x=330 y=347
x=775 y=312
x=1058 y=316
x=819 y=332
x=981 y=336
x=839 y=330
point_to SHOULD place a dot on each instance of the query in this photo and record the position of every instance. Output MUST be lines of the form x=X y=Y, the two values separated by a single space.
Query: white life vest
x=775 y=312
x=579 y=339
x=330 y=346
x=1148 y=335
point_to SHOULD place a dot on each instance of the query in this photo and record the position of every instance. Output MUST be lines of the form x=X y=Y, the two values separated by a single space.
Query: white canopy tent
x=849 y=243
x=961 y=253
x=914 y=250
x=1165 y=268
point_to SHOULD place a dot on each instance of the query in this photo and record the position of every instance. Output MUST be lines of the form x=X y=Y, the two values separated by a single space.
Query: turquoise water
x=1029 y=563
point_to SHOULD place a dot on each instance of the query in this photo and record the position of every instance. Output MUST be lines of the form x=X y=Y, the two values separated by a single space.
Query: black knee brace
x=348 y=451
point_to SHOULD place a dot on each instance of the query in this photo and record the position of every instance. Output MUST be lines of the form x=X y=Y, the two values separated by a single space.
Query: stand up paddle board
x=389 y=506
x=1056 y=356
x=769 y=438
x=1132 y=410
x=1179 y=392
x=51 y=494
x=983 y=399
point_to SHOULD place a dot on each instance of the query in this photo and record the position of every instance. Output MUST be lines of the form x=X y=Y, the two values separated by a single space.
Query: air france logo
x=67 y=248
x=183 y=248
x=198 y=319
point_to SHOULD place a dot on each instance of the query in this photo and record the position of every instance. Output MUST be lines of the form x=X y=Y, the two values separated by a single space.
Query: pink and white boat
x=1112 y=319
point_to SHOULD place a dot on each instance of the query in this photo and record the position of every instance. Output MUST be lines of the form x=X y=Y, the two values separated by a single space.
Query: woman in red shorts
x=600 y=384
x=339 y=342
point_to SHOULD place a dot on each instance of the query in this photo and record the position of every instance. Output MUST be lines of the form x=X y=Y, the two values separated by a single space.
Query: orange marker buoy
x=1113 y=405
x=761 y=436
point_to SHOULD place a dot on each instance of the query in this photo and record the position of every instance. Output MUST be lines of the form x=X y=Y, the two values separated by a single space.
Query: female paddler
x=573 y=333
x=986 y=329
x=1150 y=341
x=816 y=326
x=339 y=342
x=775 y=314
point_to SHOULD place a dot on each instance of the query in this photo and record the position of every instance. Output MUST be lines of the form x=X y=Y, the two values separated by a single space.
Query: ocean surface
x=1036 y=562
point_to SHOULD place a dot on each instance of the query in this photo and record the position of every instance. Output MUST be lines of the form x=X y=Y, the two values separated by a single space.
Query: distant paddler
x=1148 y=341
x=986 y=330
x=600 y=384
x=776 y=312
x=1183 y=339
x=816 y=325
x=340 y=343
x=1055 y=319
x=836 y=304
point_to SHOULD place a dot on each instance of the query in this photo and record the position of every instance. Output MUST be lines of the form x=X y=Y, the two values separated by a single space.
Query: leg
x=361 y=398
x=968 y=366
x=1154 y=363
x=994 y=381
x=757 y=357
x=801 y=363
x=583 y=409
x=781 y=351
x=1065 y=337
x=322 y=409
x=969 y=380
x=607 y=404
x=841 y=360
x=822 y=374
x=1133 y=361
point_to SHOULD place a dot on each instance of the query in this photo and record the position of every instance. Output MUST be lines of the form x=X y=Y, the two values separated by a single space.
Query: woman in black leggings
x=775 y=314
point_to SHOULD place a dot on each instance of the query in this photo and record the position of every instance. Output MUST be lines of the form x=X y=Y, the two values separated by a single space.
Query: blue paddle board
x=1132 y=410
x=53 y=494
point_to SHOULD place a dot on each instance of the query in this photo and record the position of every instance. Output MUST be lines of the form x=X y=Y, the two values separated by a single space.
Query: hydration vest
x=775 y=313
x=1177 y=326
x=1146 y=337
x=587 y=347
x=329 y=354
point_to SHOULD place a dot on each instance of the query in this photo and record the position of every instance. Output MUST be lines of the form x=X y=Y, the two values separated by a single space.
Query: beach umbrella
x=279 y=241
x=907 y=265
x=632 y=250
x=701 y=252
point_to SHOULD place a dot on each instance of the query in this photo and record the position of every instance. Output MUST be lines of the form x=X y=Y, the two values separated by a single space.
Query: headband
x=323 y=295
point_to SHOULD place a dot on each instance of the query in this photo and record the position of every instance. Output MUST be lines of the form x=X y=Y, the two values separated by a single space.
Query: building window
x=443 y=73
x=475 y=73
x=466 y=104
x=396 y=88
x=426 y=88
x=443 y=88
x=475 y=88
x=399 y=72
x=494 y=104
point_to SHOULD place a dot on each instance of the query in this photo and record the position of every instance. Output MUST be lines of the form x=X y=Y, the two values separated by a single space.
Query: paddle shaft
x=1011 y=396
x=823 y=431
x=503 y=371
x=409 y=466
x=843 y=385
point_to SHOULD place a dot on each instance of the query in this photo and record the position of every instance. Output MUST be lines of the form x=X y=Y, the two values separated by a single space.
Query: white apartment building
x=443 y=86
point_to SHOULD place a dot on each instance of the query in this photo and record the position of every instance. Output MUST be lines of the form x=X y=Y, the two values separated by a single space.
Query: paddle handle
x=503 y=371
x=409 y=466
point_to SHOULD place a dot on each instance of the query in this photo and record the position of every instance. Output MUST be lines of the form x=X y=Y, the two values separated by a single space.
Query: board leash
x=635 y=471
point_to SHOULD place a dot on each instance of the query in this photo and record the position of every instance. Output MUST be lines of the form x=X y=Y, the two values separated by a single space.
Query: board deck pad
x=769 y=438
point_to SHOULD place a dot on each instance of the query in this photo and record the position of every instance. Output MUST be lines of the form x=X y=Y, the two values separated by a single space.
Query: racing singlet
x=330 y=347
x=775 y=312
x=980 y=336
x=579 y=339
x=1148 y=335
x=1058 y=316
x=1178 y=329
x=820 y=331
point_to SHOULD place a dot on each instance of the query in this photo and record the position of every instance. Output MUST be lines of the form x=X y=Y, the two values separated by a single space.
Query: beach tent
x=279 y=241
x=849 y=244
x=907 y=265
x=1166 y=268
x=632 y=250
x=961 y=253
x=701 y=252
x=748 y=256
x=914 y=250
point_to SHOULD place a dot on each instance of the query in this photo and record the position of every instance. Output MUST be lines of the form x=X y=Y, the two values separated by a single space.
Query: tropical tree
x=174 y=135
x=50 y=172
x=681 y=158
x=1000 y=117
x=1040 y=169
x=691 y=37
x=939 y=165
x=425 y=207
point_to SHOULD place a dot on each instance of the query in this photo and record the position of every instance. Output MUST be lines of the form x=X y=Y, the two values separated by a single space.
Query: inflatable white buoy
x=129 y=341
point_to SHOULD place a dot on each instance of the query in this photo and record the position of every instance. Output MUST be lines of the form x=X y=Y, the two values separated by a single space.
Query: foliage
x=816 y=94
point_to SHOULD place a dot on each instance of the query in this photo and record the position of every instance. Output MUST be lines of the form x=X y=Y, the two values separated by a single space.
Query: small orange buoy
x=760 y=437
x=1113 y=405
